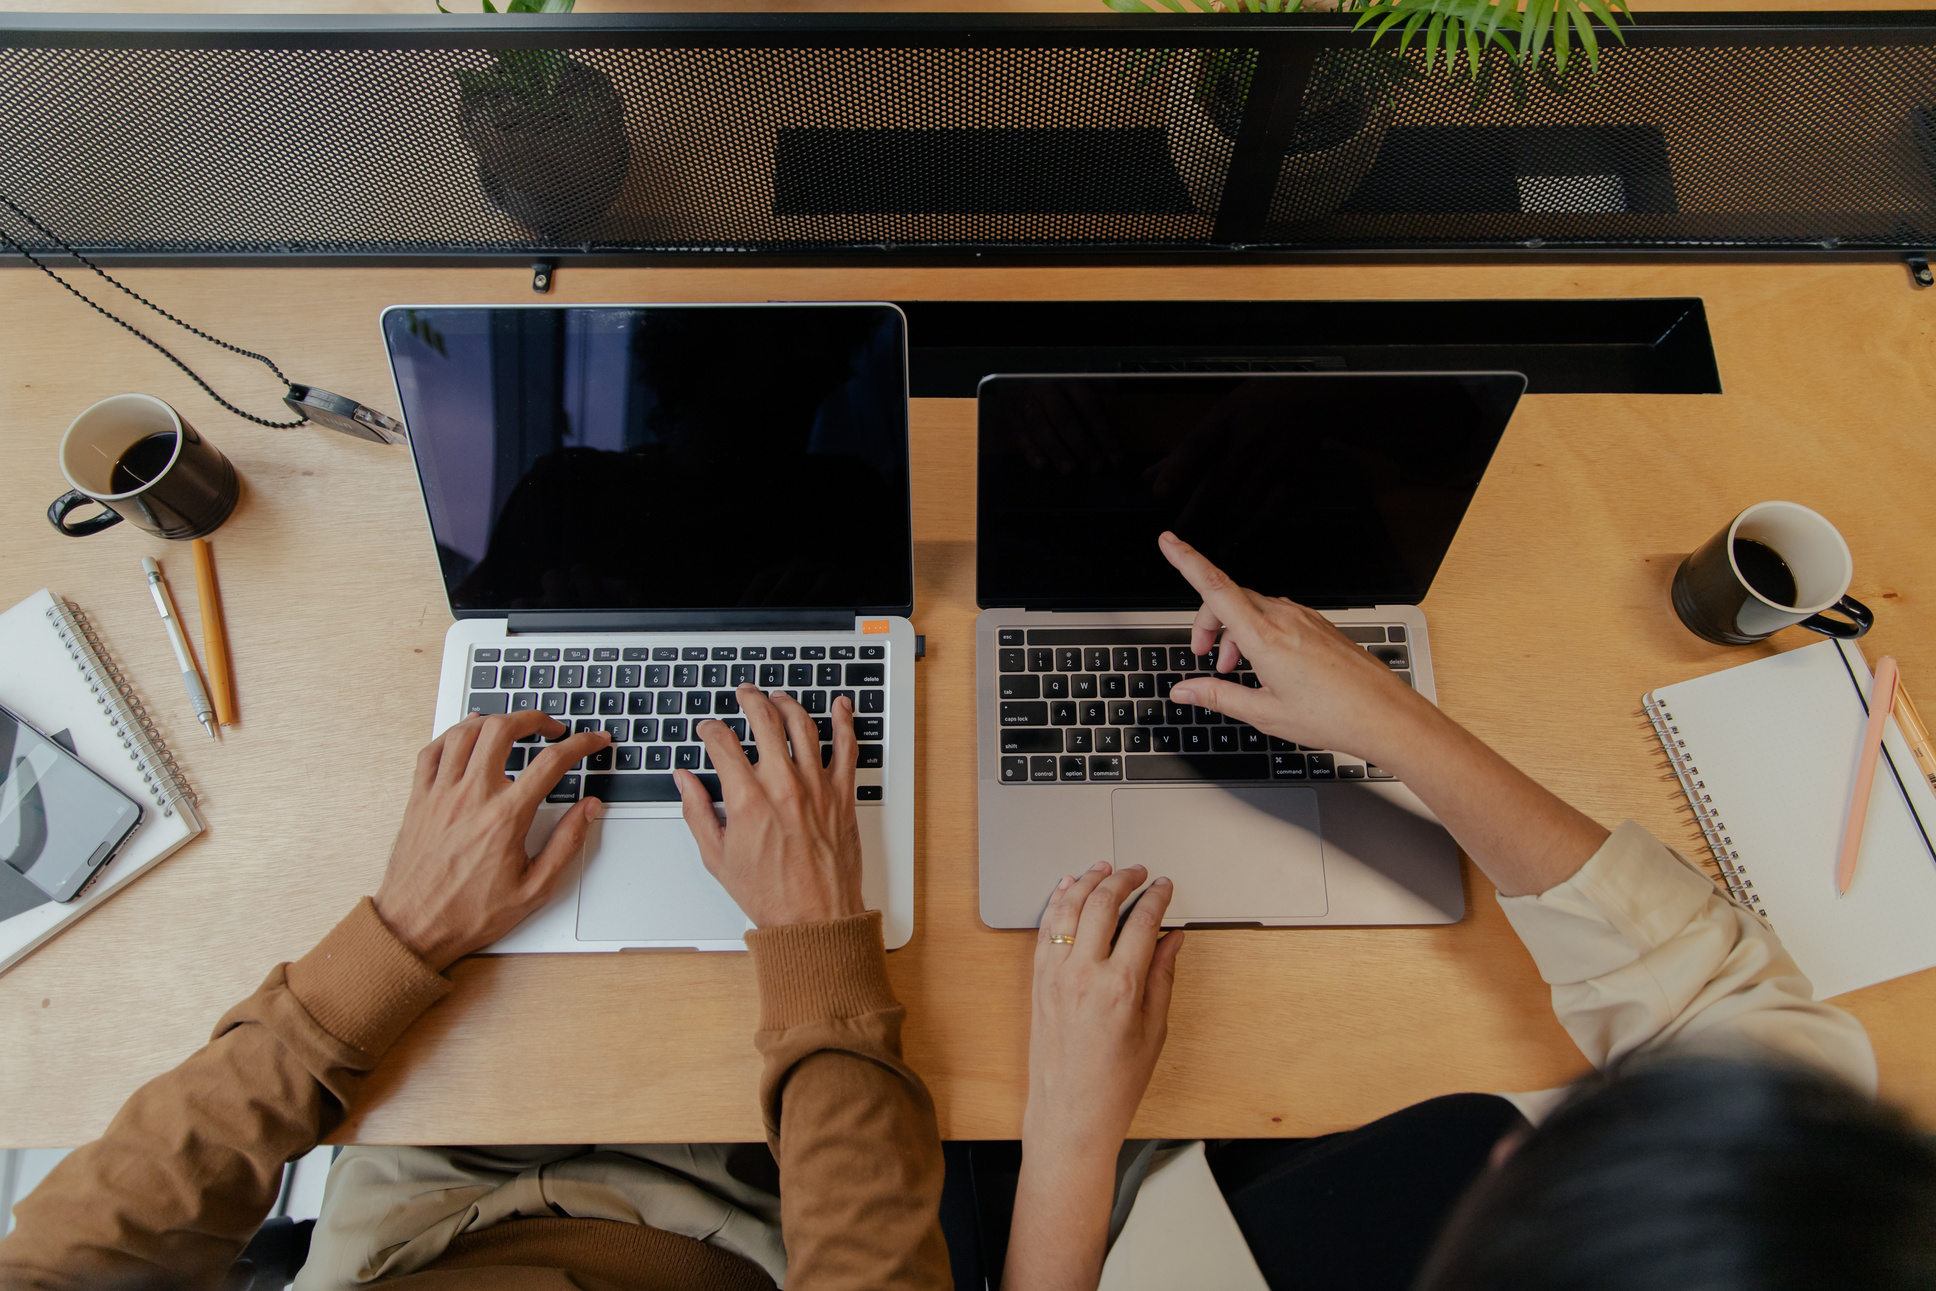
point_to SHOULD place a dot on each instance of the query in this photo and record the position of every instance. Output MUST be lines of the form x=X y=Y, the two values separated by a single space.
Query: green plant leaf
x=1432 y=33
x=1174 y=6
x=1608 y=20
x=1129 y=6
x=1587 y=42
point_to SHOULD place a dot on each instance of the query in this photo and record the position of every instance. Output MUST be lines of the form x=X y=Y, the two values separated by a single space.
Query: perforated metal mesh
x=819 y=138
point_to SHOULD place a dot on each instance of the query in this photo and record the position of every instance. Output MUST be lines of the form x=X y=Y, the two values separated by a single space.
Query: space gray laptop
x=637 y=509
x=1341 y=491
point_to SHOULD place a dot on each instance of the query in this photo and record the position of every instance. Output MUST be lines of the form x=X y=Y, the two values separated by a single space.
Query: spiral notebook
x=57 y=675
x=1767 y=754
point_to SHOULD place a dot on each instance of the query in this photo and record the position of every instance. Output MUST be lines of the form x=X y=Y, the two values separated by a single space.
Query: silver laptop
x=1340 y=491
x=637 y=508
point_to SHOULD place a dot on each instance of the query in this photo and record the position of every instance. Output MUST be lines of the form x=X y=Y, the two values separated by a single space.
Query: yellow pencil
x=215 y=644
x=1915 y=733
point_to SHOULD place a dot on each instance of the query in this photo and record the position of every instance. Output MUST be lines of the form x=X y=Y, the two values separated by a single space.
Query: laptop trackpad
x=1233 y=853
x=644 y=881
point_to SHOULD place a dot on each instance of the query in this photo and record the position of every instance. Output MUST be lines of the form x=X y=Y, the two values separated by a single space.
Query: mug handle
x=58 y=509
x=1862 y=620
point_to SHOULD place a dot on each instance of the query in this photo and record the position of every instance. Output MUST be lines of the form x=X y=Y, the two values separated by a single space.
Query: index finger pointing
x=1222 y=597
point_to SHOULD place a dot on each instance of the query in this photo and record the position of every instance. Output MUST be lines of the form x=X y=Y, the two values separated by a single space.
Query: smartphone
x=60 y=823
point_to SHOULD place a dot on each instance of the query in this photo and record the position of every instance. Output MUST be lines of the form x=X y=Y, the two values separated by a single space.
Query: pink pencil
x=1882 y=698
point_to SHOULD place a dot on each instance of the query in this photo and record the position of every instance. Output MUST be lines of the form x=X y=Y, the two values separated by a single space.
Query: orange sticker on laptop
x=873 y=627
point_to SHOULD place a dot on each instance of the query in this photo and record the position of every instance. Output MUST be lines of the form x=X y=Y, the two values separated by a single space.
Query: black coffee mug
x=135 y=456
x=1776 y=565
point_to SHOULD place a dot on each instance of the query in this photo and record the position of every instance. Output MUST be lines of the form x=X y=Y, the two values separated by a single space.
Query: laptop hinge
x=753 y=620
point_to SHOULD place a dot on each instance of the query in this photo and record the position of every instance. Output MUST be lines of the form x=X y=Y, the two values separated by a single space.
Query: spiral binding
x=117 y=698
x=1734 y=871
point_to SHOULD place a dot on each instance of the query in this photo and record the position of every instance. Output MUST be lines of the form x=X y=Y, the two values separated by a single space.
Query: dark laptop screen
x=1331 y=489
x=661 y=457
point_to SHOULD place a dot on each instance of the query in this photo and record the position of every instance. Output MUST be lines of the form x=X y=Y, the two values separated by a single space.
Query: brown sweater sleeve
x=193 y=1161
x=851 y=1125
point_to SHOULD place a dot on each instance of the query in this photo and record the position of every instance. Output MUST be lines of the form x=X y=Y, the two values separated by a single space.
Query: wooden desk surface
x=1549 y=620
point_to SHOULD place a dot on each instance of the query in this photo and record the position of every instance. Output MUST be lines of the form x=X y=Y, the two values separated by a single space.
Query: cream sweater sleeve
x=1644 y=951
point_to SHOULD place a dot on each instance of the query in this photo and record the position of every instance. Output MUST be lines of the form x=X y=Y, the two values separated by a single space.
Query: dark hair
x=1702 y=1175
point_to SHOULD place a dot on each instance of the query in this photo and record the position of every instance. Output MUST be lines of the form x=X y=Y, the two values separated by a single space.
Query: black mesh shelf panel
x=852 y=135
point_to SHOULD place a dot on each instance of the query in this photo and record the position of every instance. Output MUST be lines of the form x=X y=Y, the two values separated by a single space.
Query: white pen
x=191 y=676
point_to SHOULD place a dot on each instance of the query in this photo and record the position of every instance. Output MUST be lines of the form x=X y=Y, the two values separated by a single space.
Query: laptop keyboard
x=1093 y=704
x=652 y=698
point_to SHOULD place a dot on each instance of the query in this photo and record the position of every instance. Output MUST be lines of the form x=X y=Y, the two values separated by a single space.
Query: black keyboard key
x=1115 y=686
x=1323 y=766
x=582 y=725
x=783 y=653
x=566 y=790
x=636 y=654
x=867 y=793
x=686 y=757
x=1062 y=712
x=1142 y=686
x=693 y=654
x=1093 y=712
x=1362 y=633
x=873 y=652
x=1206 y=663
x=1378 y=773
x=1351 y=771
x=745 y=674
x=1280 y=746
x=1083 y=687
x=1395 y=657
x=1105 y=767
x=1405 y=677
x=869 y=728
x=1043 y=768
x=799 y=674
x=713 y=676
x=1177 y=714
x=1136 y=740
x=685 y=676
x=1126 y=659
x=1009 y=636
x=825 y=728
x=484 y=654
x=726 y=654
x=1149 y=712
x=1251 y=738
x=1068 y=659
x=1206 y=766
x=658 y=676
x=510 y=678
x=605 y=654
x=834 y=697
x=752 y=654
x=1155 y=659
x=1287 y=766
x=1223 y=740
x=1122 y=712
x=514 y=760
x=1014 y=770
x=598 y=676
x=601 y=760
x=658 y=758
x=639 y=701
x=583 y=702
x=1046 y=740
x=1166 y=682
x=813 y=652
x=826 y=674
x=1181 y=660
x=725 y=701
x=524 y=701
x=1079 y=741
x=866 y=674
x=577 y=654
x=1013 y=660
x=1166 y=739
x=571 y=675
x=814 y=701
x=563 y=734
x=772 y=676
x=1206 y=716
x=669 y=701
x=630 y=757
x=545 y=655
x=1096 y=659
x=627 y=676
x=699 y=701
x=1041 y=660
x=645 y=729
x=611 y=701
x=840 y=652
x=1055 y=686
x=1196 y=739
x=1027 y=712
x=543 y=676
x=871 y=755
x=642 y=788
x=1397 y=633
x=873 y=701
x=554 y=702
x=1075 y=768
x=664 y=654
x=483 y=677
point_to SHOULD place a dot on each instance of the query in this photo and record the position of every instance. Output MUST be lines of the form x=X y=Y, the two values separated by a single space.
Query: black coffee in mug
x=135 y=456
x=1776 y=565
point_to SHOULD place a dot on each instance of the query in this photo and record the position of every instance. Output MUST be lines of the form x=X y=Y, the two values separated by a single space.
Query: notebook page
x=42 y=683
x=1777 y=742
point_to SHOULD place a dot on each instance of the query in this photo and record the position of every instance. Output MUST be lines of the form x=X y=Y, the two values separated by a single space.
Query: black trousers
x=1357 y=1211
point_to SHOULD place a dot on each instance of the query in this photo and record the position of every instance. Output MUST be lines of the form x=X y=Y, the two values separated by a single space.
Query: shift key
x=1025 y=712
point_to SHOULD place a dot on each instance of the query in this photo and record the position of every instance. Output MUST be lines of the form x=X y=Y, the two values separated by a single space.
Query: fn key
x=867 y=793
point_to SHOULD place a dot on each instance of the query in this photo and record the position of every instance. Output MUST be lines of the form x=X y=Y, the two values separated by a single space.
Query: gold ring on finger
x=1061 y=939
